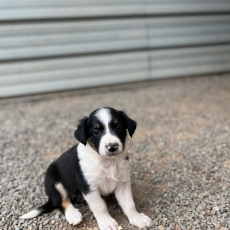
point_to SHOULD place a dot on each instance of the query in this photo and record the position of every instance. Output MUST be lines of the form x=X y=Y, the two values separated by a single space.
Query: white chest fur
x=104 y=174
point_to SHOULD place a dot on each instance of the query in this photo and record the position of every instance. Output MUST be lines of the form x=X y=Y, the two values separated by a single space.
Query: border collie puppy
x=96 y=167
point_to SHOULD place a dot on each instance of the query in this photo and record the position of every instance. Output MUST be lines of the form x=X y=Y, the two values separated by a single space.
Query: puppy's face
x=105 y=131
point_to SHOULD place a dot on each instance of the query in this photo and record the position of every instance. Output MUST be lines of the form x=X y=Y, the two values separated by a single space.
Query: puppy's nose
x=112 y=147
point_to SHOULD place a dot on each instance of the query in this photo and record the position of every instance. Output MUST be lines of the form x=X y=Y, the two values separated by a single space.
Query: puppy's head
x=105 y=131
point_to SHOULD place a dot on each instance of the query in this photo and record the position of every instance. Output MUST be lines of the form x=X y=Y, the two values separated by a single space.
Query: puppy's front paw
x=140 y=220
x=72 y=215
x=107 y=223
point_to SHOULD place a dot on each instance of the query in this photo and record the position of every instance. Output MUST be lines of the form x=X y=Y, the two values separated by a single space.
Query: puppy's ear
x=131 y=124
x=80 y=131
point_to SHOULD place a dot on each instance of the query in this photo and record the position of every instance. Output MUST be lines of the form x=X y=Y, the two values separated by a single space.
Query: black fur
x=130 y=124
x=66 y=169
x=70 y=173
x=47 y=207
x=93 y=140
x=80 y=132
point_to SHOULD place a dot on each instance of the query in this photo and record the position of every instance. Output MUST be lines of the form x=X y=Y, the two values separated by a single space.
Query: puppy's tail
x=47 y=207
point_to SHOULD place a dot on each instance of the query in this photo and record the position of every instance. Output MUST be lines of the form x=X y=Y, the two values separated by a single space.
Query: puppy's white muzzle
x=110 y=145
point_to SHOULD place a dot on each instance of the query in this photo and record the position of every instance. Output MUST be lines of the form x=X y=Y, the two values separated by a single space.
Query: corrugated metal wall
x=57 y=45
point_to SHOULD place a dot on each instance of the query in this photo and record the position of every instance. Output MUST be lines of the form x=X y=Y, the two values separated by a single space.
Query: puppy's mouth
x=112 y=154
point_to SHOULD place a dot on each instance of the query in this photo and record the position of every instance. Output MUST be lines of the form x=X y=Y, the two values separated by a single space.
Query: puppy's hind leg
x=59 y=196
x=72 y=215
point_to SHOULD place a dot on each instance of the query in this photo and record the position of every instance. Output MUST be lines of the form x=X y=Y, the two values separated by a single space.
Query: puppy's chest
x=109 y=179
x=108 y=175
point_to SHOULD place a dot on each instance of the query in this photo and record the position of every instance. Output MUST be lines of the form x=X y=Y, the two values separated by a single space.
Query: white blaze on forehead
x=105 y=117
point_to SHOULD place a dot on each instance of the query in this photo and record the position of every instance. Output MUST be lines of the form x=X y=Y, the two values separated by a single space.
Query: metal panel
x=55 y=3
x=22 y=67
x=56 y=39
x=187 y=6
x=73 y=73
x=201 y=30
x=101 y=42
x=189 y=61
x=190 y=70
x=45 y=76
x=15 y=90
x=24 y=10
x=32 y=41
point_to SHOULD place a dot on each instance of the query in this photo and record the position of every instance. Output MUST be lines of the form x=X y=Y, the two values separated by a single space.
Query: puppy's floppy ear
x=80 y=131
x=131 y=124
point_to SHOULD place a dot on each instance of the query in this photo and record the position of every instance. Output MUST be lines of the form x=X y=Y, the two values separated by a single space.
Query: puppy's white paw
x=107 y=223
x=140 y=220
x=72 y=215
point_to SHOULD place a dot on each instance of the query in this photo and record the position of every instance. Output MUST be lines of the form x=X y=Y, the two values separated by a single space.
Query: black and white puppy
x=96 y=167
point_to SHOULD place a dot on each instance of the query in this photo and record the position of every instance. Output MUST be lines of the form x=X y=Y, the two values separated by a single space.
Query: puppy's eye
x=119 y=128
x=96 y=132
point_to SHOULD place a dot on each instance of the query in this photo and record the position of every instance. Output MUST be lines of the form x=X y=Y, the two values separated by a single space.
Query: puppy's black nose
x=112 y=147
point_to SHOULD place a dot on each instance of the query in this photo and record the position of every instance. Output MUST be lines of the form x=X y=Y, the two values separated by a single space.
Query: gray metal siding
x=190 y=61
x=33 y=9
x=70 y=73
x=60 y=38
x=93 y=43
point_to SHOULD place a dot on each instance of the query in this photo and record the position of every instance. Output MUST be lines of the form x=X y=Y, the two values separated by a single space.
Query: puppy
x=96 y=167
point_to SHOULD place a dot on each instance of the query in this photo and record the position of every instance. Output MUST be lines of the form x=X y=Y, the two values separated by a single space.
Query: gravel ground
x=180 y=153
